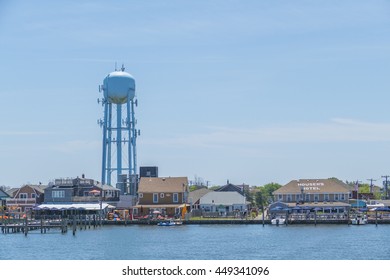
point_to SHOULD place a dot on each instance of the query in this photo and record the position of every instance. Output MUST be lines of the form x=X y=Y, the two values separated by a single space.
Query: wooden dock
x=44 y=225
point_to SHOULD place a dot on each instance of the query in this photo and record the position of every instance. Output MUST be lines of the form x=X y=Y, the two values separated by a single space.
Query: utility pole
x=357 y=188
x=371 y=184
x=386 y=184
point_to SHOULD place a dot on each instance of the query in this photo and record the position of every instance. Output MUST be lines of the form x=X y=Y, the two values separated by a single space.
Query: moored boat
x=170 y=223
x=278 y=221
x=359 y=220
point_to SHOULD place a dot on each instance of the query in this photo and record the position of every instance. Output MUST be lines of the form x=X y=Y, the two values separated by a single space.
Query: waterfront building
x=3 y=197
x=241 y=189
x=330 y=195
x=165 y=195
x=26 y=197
x=224 y=203
x=195 y=196
x=80 y=190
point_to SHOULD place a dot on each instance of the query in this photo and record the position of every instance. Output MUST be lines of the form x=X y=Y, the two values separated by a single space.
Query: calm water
x=218 y=242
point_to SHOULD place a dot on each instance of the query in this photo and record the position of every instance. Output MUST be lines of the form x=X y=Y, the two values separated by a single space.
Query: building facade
x=80 y=190
x=165 y=195
x=26 y=197
x=3 y=197
x=223 y=202
x=330 y=194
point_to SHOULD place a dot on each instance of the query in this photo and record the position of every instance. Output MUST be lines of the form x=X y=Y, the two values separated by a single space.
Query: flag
x=183 y=212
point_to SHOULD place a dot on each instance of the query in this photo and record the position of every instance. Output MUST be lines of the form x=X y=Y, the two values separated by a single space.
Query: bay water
x=202 y=242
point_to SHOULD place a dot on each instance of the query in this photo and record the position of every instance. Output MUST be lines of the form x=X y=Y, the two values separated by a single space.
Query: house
x=223 y=202
x=241 y=189
x=80 y=190
x=165 y=195
x=3 y=197
x=26 y=197
x=325 y=194
x=195 y=196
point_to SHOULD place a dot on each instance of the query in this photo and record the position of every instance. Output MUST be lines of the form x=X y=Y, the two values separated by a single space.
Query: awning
x=159 y=205
x=74 y=206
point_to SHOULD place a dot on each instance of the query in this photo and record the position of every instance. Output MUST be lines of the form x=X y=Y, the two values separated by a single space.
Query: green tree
x=264 y=193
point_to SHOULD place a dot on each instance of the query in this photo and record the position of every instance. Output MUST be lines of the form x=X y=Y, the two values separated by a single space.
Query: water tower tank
x=118 y=87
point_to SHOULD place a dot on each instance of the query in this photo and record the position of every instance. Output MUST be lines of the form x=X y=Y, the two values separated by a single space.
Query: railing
x=93 y=199
x=17 y=201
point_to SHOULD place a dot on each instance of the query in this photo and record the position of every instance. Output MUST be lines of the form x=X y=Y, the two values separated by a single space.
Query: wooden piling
x=74 y=225
x=26 y=225
x=376 y=218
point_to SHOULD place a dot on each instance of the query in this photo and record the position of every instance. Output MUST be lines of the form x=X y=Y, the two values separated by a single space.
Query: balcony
x=93 y=199
x=21 y=201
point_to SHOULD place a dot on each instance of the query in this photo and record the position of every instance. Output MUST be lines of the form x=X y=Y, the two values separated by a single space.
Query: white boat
x=373 y=205
x=278 y=221
x=359 y=220
x=170 y=223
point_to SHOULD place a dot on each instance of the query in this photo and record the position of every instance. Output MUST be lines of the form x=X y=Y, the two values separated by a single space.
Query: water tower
x=119 y=132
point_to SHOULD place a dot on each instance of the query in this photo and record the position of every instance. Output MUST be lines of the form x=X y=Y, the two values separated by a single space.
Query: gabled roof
x=161 y=184
x=313 y=186
x=106 y=187
x=230 y=188
x=12 y=191
x=195 y=195
x=3 y=194
x=223 y=198
x=38 y=189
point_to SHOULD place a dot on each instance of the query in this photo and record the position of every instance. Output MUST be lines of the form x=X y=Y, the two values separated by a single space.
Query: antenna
x=371 y=184
x=386 y=183
x=123 y=67
x=115 y=67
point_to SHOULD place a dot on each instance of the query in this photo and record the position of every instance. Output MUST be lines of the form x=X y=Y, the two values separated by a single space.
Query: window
x=23 y=195
x=307 y=197
x=161 y=195
x=289 y=198
x=280 y=197
x=58 y=194
x=342 y=196
x=155 y=197
x=33 y=195
x=336 y=196
x=316 y=197
x=175 y=197
x=326 y=197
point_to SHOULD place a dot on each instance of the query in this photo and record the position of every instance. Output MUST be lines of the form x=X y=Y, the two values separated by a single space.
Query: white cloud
x=335 y=130
x=25 y=133
x=76 y=146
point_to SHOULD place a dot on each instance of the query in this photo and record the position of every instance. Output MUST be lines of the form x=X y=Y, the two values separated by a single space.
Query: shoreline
x=246 y=222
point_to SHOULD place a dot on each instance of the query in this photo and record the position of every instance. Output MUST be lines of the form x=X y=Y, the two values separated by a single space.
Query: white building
x=223 y=202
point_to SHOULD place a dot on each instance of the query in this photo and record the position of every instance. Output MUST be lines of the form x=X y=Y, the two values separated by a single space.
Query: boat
x=278 y=221
x=359 y=220
x=169 y=223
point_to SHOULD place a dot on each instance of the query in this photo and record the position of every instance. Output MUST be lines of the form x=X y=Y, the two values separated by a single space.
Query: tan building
x=331 y=194
x=166 y=195
x=25 y=197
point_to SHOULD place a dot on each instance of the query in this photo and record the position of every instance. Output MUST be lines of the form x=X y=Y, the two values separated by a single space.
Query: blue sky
x=250 y=91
